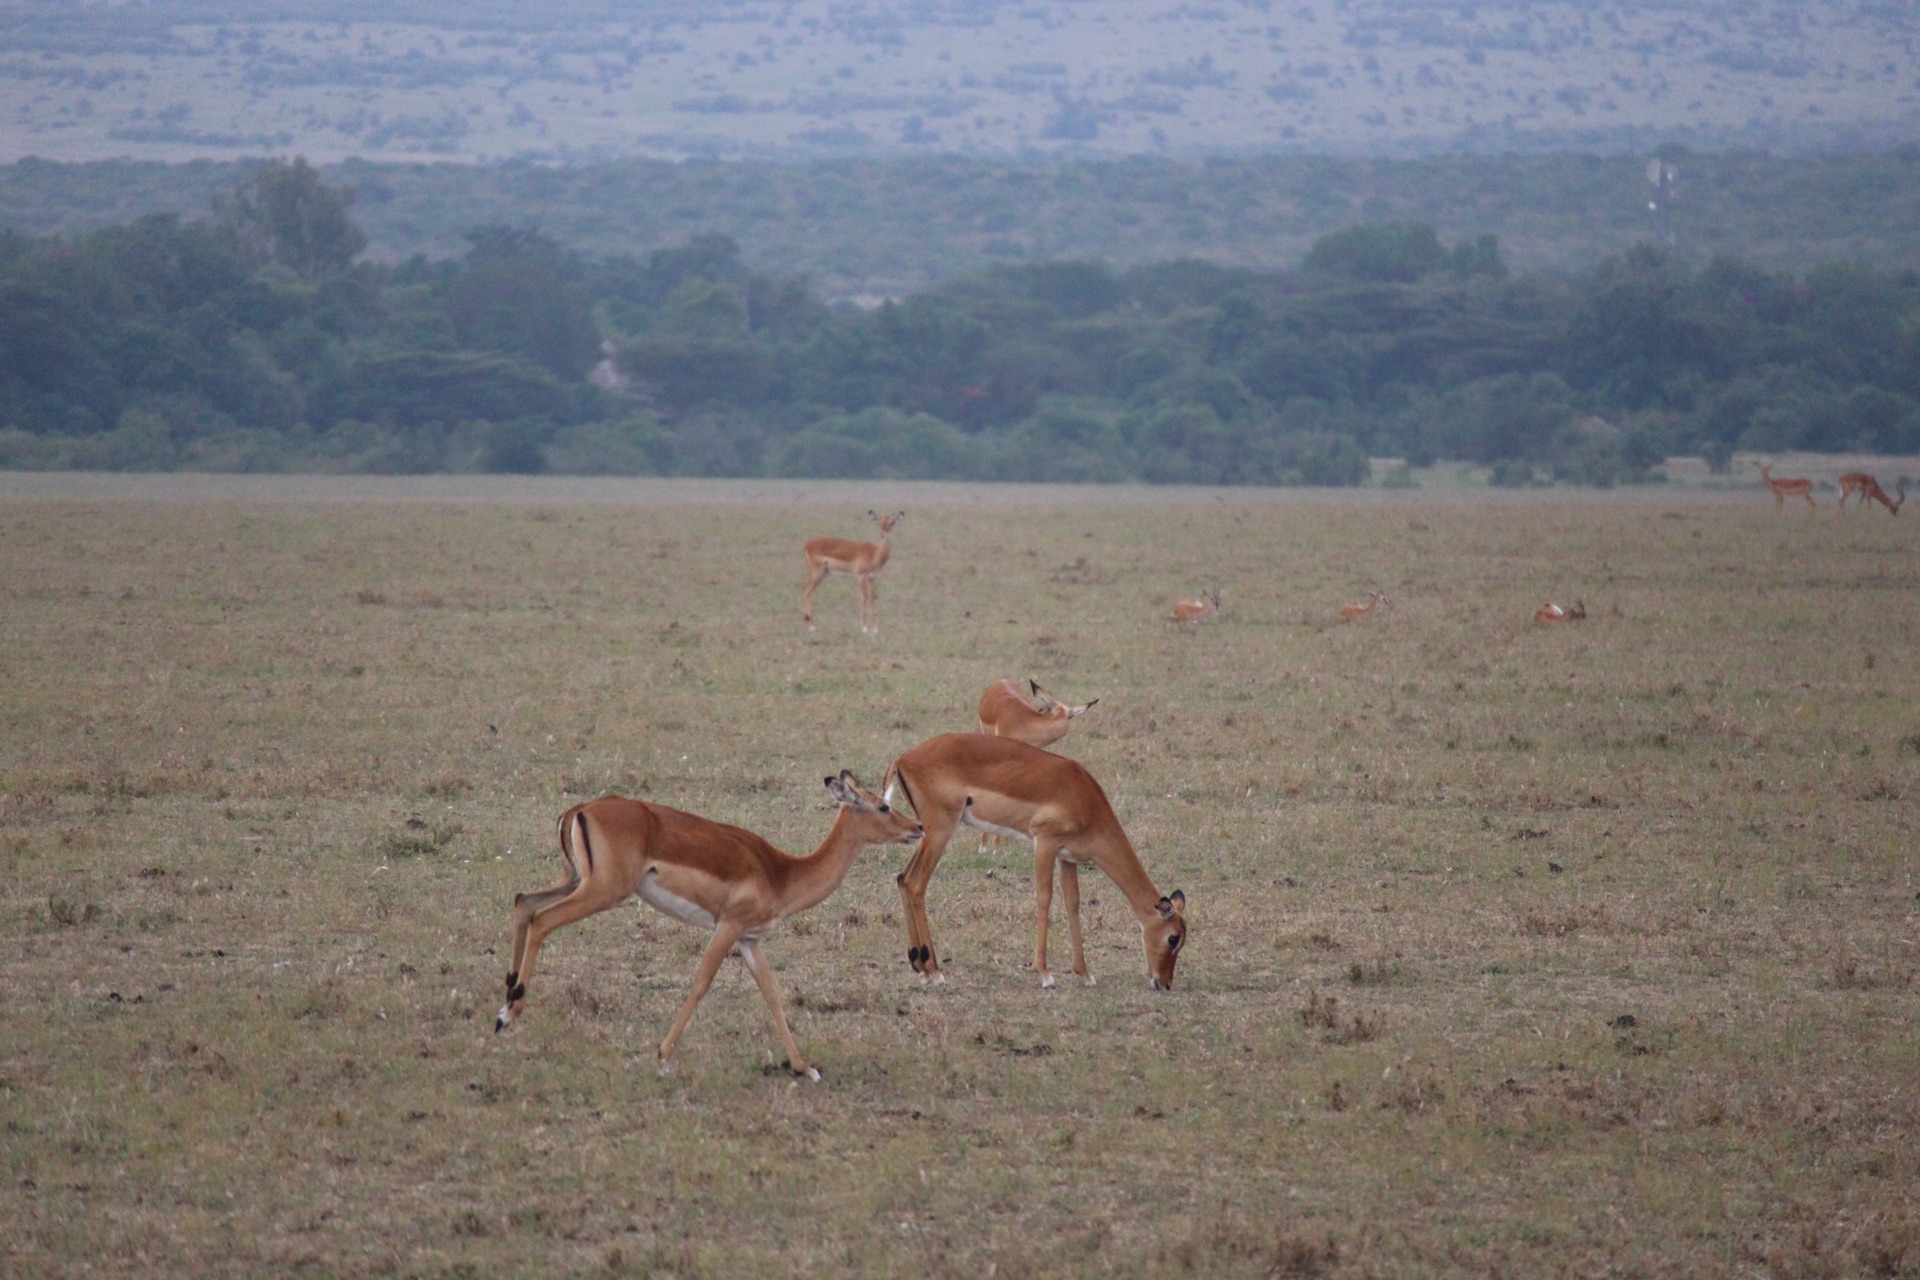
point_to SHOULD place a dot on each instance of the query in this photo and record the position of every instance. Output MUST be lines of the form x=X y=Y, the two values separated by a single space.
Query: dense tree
x=257 y=339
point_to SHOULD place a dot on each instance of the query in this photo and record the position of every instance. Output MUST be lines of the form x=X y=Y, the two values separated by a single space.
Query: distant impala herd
x=1000 y=781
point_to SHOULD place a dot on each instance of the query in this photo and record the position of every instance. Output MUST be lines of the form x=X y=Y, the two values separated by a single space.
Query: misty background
x=1237 y=242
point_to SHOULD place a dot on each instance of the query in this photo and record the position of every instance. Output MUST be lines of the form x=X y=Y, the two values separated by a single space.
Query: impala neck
x=812 y=879
x=883 y=548
x=1122 y=866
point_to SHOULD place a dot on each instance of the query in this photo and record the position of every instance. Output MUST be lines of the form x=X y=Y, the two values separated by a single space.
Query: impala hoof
x=1046 y=982
x=500 y=1021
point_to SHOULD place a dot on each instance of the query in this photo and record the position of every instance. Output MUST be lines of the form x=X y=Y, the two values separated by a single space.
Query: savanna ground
x=1578 y=951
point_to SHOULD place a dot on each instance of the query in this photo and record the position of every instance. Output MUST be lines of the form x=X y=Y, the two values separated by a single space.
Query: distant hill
x=570 y=81
x=876 y=227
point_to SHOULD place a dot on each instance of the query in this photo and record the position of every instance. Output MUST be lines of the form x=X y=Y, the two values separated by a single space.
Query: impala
x=1348 y=612
x=1551 y=613
x=1006 y=712
x=1197 y=610
x=702 y=873
x=1008 y=788
x=1783 y=489
x=860 y=560
x=1867 y=489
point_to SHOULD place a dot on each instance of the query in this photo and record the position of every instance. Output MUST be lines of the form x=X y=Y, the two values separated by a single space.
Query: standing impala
x=860 y=560
x=1008 y=788
x=1786 y=487
x=1005 y=712
x=703 y=873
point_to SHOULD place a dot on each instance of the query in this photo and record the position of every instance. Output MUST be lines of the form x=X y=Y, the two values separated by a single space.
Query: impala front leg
x=725 y=936
x=1070 y=899
x=770 y=991
x=1045 y=854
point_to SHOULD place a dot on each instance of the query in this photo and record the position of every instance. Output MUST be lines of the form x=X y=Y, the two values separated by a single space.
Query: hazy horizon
x=179 y=80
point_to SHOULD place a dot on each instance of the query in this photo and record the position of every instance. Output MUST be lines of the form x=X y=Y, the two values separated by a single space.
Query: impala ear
x=1072 y=712
x=841 y=792
x=1041 y=696
x=1165 y=908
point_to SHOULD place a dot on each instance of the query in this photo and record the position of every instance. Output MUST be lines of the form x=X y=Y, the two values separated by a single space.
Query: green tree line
x=261 y=338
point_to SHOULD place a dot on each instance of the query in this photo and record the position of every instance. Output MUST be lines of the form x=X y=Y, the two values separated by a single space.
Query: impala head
x=1048 y=705
x=886 y=523
x=1165 y=937
x=879 y=822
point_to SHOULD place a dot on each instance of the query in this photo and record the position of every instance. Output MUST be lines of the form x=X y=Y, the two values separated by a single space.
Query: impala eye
x=1173 y=943
x=886 y=809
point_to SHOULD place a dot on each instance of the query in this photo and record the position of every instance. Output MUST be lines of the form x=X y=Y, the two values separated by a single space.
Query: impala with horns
x=1197 y=610
x=861 y=561
x=1863 y=486
x=700 y=872
x=1007 y=788
x=1006 y=712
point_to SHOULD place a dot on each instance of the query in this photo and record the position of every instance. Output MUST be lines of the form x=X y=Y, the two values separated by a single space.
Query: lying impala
x=1348 y=612
x=1867 y=489
x=1005 y=787
x=1550 y=613
x=703 y=873
x=860 y=560
x=1197 y=610
x=1793 y=487
x=1006 y=712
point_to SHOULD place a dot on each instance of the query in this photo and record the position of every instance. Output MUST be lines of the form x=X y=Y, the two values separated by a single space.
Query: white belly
x=673 y=904
x=970 y=819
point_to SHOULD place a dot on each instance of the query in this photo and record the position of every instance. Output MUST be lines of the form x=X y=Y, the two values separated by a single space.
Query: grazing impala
x=1005 y=712
x=1799 y=487
x=1197 y=610
x=1348 y=612
x=703 y=873
x=1008 y=788
x=1550 y=613
x=860 y=560
x=1867 y=489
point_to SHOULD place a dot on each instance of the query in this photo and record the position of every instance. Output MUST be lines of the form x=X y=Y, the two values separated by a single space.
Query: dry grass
x=1579 y=951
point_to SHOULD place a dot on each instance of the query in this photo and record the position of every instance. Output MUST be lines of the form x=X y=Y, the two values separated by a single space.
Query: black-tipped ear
x=841 y=792
x=1033 y=685
x=1165 y=908
x=1178 y=899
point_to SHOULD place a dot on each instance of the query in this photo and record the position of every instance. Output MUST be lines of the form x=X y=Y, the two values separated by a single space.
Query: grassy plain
x=1576 y=951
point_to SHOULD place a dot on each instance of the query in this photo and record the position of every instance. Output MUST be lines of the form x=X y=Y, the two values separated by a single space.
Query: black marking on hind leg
x=517 y=992
x=586 y=845
x=512 y=979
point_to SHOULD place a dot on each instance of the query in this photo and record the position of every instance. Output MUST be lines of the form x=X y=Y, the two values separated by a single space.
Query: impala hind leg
x=869 y=608
x=719 y=947
x=913 y=893
x=543 y=918
x=770 y=991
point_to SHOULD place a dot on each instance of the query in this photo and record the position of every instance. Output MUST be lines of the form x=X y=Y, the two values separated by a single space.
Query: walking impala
x=1005 y=712
x=860 y=560
x=1008 y=788
x=1796 y=487
x=703 y=873
x=1867 y=489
